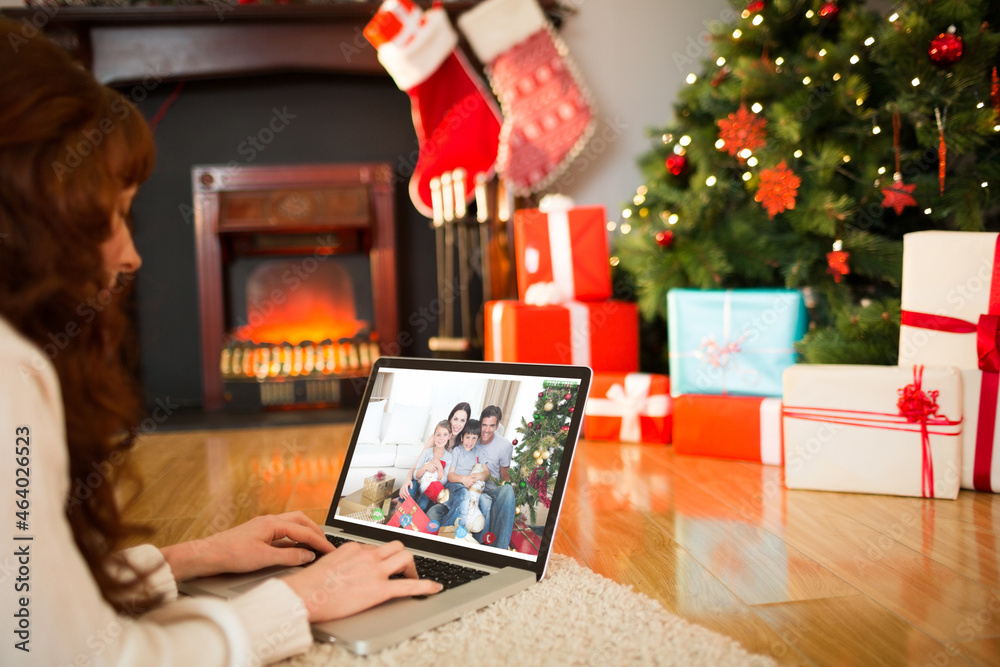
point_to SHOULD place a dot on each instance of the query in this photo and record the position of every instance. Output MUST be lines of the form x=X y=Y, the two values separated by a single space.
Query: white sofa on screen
x=389 y=441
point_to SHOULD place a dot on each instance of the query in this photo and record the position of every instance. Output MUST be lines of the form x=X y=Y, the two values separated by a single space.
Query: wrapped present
x=409 y=516
x=894 y=430
x=628 y=407
x=951 y=316
x=604 y=336
x=728 y=427
x=732 y=341
x=524 y=539
x=565 y=246
x=377 y=487
x=356 y=503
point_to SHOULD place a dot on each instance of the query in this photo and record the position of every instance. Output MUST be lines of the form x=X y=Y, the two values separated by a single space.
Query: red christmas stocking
x=456 y=119
x=548 y=116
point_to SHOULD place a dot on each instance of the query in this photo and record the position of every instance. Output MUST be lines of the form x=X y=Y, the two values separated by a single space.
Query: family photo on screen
x=477 y=462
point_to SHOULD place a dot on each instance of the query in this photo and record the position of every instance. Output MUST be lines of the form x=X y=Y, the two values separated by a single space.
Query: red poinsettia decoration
x=898 y=195
x=778 y=188
x=742 y=129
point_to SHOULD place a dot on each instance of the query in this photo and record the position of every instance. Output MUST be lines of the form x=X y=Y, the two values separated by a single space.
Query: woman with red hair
x=72 y=154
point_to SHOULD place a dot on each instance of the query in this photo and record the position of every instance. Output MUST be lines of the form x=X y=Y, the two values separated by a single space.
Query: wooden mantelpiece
x=129 y=45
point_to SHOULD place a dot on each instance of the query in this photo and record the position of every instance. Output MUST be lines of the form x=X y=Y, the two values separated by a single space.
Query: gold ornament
x=517 y=510
x=537 y=454
x=545 y=454
x=548 y=406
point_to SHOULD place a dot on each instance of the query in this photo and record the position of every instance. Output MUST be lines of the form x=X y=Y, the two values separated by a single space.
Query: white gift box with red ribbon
x=951 y=316
x=893 y=430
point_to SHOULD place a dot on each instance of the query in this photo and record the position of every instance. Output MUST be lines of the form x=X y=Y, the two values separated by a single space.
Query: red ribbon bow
x=918 y=405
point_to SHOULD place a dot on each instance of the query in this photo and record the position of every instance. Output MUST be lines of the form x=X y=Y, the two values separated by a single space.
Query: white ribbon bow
x=630 y=402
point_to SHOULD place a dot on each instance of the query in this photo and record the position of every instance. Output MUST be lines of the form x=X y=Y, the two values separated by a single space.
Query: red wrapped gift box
x=729 y=427
x=524 y=539
x=629 y=407
x=568 y=247
x=410 y=517
x=604 y=336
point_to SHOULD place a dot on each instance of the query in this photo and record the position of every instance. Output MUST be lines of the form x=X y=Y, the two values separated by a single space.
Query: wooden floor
x=806 y=577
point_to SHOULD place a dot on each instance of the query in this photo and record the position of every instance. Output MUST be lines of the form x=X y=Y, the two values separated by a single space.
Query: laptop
x=408 y=391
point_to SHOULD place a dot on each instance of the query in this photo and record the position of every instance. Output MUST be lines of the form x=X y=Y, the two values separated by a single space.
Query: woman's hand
x=355 y=577
x=258 y=543
x=404 y=491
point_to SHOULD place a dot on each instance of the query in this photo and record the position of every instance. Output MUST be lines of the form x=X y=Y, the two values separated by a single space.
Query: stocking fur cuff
x=413 y=63
x=494 y=26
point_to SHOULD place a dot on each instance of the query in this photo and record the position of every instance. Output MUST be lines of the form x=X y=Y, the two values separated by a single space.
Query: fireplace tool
x=463 y=248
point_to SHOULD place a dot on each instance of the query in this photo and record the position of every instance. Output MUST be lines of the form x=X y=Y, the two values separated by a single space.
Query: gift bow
x=630 y=403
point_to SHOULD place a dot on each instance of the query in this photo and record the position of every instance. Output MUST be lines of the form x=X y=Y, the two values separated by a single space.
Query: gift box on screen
x=629 y=407
x=377 y=487
x=728 y=427
x=604 y=336
x=893 y=430
x=524 y=539
x=409 y=516
x=732 y=341
x=951 y=316
x=565 y=246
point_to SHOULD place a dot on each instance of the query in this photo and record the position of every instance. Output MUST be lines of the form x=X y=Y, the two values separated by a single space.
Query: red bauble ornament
x=565 y=428
x=569 y=396
x=571 y=410
x=946 y=49
x=778 y=188
x=829 y=10
x=664 y=238
x=676 y=164
x=531 y=424
x=755 y=6
x=540 y=394
x=514 y=441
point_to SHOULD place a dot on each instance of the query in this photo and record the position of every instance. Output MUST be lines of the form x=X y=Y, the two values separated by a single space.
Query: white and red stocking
x=548 y=114
x=431 y=487
x=456 y=119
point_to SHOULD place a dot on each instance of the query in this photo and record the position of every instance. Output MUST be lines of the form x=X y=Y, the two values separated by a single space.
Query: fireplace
x=289 y=260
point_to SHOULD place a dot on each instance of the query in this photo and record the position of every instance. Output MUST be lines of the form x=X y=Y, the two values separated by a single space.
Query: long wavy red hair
x=68 y=147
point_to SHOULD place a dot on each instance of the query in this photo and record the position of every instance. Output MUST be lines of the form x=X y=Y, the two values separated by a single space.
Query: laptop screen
x=471 y=455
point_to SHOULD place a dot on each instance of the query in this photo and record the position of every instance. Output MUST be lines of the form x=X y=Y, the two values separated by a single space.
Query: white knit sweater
x=47 y=594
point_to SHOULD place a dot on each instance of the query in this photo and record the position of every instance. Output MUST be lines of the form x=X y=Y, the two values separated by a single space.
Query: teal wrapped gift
x=732 y=341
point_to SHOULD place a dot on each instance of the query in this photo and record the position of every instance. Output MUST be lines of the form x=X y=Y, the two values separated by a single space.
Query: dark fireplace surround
x=222 y=42
x=225 y=42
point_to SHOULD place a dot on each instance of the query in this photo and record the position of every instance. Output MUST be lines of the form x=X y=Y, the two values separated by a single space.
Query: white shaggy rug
x=572 y=617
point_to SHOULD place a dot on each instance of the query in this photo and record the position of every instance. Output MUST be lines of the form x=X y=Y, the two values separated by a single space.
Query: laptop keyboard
x=447 y=574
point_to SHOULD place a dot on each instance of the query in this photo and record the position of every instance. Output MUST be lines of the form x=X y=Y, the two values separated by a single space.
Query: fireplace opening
x=290 y=262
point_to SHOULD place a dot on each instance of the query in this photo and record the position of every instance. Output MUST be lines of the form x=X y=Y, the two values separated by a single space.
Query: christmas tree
x=816 y=135
x=538 y=453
